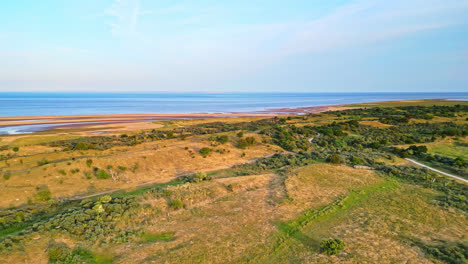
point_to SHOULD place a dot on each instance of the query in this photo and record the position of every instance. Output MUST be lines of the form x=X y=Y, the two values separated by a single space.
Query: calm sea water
x=35 y=104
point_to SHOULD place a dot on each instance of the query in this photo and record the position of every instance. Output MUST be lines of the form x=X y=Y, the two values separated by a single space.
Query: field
x=242 y=190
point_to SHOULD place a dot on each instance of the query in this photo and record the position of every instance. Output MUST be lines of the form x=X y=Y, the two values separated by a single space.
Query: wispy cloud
x=125 y=14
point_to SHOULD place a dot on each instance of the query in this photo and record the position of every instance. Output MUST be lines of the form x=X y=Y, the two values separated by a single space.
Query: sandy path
x=438 y=171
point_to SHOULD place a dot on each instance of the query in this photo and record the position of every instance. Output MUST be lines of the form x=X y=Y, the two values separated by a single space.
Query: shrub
x=58 y=251
x=43 y=193
x=102 y=174
x=6 y=176
x=81 y=146
x=87 y=174
x=62 y=172
x=122 y=168
x=105 y=199
x=245 y=142
x=43 y=162
x=89 y=162
x=135 y=167
x=205 y=151
x=332 y=246
x=176 y=204
x=240 y=134
x=15 y=149
x=250 y=140
x=197 y=177
x=335 y=159
x=242 y=143
x=222 y=139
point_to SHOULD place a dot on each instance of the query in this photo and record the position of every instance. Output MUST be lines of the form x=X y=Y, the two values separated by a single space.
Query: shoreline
x=18 y=125
x=126 y=118
x=21 y=125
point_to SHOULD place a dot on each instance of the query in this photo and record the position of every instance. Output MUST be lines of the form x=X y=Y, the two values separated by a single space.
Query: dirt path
x=312 y=138
x=438 y=171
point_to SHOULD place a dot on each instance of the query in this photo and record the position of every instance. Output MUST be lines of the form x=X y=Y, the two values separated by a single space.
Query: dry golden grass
x=231 y=220
x=374 y=124
x=157 y=162
x=373 y=230
x=218 y=228
x=319 y=184
x=461 y=119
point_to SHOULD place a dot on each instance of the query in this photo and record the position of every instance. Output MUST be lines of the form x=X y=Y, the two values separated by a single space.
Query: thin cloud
x=125 y=14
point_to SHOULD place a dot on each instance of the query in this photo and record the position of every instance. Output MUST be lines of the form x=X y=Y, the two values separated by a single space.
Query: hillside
x=243 y=190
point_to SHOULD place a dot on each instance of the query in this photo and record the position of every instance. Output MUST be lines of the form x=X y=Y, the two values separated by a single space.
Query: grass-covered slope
x=277 y=190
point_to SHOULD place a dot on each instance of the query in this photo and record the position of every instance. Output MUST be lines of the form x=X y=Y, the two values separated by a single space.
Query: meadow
x=330 y=187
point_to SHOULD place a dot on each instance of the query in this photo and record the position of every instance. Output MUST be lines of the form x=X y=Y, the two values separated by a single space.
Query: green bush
x=240 y=134
x=197 y=177
x=102 y=174
x=332 y=246
x=245 y=142
x=58 y=251
x=176 y=204
x=43 y=193
x=205 y=151
x=222 y=139
x=15 y=149
x=89 y=162
x=43 y=162
x=135 y=167
x=81 y=146
x=250 y=140
x=449 y=252
x=105 y=199
x=335 y=159
x=6 y=176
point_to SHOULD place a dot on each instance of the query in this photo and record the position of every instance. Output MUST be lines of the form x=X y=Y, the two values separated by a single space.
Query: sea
x=39 y=104
x=56 y=104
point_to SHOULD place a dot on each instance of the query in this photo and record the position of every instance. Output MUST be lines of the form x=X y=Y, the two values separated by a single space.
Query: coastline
x=85 y=121
x=108 y=123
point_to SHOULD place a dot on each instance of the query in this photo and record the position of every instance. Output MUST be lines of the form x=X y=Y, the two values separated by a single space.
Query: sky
x=234 y=46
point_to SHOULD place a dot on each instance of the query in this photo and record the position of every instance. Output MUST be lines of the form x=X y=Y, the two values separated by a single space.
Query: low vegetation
x=318 y=188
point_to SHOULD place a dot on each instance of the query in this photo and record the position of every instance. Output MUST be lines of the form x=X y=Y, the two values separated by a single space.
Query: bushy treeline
x=91 y=222
x=106 y=142
x=446 y=251
x=402 y=115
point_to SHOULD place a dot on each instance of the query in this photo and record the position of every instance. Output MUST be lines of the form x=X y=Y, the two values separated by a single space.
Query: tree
x=332 y=246
x=81 y=146
x=222 y=139
x=102 y=174
x=335 y=159
x=205 y=151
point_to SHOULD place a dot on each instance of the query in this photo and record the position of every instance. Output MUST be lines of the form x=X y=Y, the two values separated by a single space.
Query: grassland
x=267 y=190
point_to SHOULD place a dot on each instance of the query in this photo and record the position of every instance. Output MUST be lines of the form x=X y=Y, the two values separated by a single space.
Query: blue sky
x=229 y=46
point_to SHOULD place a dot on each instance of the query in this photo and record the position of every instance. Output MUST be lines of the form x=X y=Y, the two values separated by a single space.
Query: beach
x=111 y=122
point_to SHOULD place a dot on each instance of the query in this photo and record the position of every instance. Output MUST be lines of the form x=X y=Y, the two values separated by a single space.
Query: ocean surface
x=37 y=104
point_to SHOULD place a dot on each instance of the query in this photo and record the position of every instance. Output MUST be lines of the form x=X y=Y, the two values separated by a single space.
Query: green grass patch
x=452 y=150
x=160 y=237
x=295 y=236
